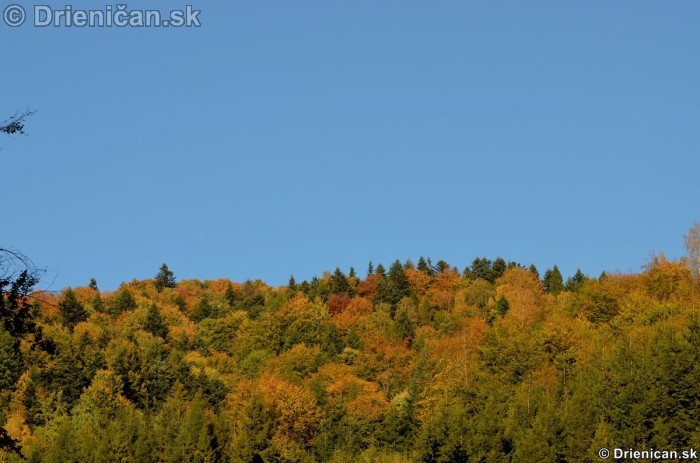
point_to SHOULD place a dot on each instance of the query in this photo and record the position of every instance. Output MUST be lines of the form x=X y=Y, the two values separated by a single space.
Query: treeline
x=414 y=363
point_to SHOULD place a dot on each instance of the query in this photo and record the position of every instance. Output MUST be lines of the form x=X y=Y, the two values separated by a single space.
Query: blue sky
x=293 y=137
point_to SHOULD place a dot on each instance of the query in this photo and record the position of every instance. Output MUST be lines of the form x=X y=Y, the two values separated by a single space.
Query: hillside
x=424 y=363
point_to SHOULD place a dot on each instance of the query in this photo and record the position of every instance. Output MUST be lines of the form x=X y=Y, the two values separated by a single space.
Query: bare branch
x=15 y=124
x=12 y=263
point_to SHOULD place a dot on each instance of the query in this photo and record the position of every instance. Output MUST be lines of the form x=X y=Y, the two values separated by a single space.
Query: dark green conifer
x=575 y=282
x=553 y=281
x=165 y=278
x=72 y=311
x=154 y=322
x=122 y=302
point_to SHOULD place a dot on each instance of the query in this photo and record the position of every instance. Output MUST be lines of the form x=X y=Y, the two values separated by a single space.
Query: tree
x=480 y=268
x=441 y=266
x=380 y=271
x=93 y=284
x=403 y=327
x=534 y=271
x=123 y=302
x=72 y=311
x=340 y=284
x=499 y=267
x=394 y=287
x=692 y=245
x=165 y=278
x=424 y=267
x=502 y=306
x=18 y=275
x=255 y=430
x=154 y=322
x=553 y=281
x=575 y=282
x=11 y=364
x=97 y=303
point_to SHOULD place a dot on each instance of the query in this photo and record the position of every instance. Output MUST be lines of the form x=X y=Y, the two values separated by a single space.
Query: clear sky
x=291 y=137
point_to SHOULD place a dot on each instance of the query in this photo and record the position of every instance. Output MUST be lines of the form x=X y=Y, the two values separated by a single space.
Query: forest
x=413 y=362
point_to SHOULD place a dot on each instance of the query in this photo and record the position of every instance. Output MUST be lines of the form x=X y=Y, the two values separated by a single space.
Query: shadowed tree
x=553 y=281
x=424 y=267
x=165 y=278
x=154 y=322
x=18 y=275
x=394 y=287
x=72 y=311
x=534 y=271
x=123 y=302
x=340 y=284
x=575 y=282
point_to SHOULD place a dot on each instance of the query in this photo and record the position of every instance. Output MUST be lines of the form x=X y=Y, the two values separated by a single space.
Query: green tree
x=481 y=268
x=502 y=306
x=203 y=309
x=394 y=287
x=122 y=302
x=231 y=295
x=194 y=442
x=256 y=431
x=154 y=322
x=18 y=276
x=381 y=271
x=441 y=266
x=403 y=327
x=534 y=271
x=498 y=268
x=575 y=282
x=72 y=311
x=97 y=303
x=424 y=267
x=165 y=278
x=553 y=281
x=340 y=284
x=11 y=363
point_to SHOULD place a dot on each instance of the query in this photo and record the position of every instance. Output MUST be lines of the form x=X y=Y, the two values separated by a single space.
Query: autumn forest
x=414 y=361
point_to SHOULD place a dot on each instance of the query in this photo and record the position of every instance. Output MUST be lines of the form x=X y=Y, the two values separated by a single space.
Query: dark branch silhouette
x=15 y=124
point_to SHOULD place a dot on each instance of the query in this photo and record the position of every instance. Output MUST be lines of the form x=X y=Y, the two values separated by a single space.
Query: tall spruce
x=154 y=322
x=165 y=278
x=553 y=281
x=122 y=302
x=71 y=310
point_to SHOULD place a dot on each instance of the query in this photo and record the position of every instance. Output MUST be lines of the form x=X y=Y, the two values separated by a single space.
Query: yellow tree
x=524 y=292
x=692 y=245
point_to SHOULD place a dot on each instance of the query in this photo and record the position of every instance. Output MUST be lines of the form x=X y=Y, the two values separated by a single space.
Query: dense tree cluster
x=420 y=363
